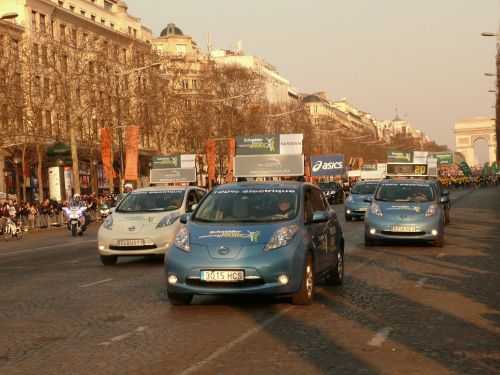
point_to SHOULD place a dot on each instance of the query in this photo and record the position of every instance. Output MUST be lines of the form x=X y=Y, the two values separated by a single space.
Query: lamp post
x=497 y=105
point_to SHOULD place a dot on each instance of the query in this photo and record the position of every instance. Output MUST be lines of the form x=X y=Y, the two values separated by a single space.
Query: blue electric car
x=358 y=201
x=272 y=238
x=406 y=209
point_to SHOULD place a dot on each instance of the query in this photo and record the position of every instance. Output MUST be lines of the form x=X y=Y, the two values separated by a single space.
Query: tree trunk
x=39 y=151
x=23 y=168
x=74 y=158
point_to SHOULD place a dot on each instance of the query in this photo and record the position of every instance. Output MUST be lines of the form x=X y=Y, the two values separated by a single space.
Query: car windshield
x=249 y=205
x=151 y=201
x=405 y=193
x=364 y=189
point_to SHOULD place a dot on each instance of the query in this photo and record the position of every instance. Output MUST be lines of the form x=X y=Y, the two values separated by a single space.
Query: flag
x=106 y=154
x=132 y=157
x=211 y=160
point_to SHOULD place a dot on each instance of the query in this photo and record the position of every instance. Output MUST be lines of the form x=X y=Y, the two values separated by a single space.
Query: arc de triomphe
x=468 y=131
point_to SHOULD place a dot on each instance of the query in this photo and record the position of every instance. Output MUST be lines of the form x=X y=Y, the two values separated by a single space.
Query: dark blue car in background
x=257 y=238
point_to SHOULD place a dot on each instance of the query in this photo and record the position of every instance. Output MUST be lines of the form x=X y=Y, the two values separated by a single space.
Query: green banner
x=465 y=168
x=399 y=157
x=258 y=145
x=445 y=158
x=166 y=161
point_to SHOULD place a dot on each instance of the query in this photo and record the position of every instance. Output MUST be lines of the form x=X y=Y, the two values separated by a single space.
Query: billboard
x=283 y=144
x=268 y=165
x=327 y=165
x=399 y=157
x=55 y=184
x=420 y=157
x=173 y=168
x=445 y=158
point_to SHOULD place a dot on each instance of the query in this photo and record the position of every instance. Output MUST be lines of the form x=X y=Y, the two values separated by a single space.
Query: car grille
x=131 y=248
x=400 y=234
x=224 y=285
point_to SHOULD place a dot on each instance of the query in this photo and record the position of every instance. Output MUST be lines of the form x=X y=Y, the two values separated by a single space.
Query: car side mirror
x=321 y=217
x=184 y=218
x=368 y=200
x=192 y=208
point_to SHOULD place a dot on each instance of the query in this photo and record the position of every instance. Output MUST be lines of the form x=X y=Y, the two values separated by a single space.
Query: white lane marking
x=238 y=340
x=122 y=337
x=380 y=337
x=95 y=283
x=46 y=248
x=421 y=282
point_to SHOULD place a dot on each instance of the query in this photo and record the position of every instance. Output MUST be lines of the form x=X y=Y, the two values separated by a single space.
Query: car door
x=313 y=202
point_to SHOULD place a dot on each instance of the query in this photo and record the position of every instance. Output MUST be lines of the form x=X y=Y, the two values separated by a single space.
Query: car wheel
x=109 y=260
x=305 y=295
x=178 y=299
x=336 y=274
x=348 y=218
x=369 y=241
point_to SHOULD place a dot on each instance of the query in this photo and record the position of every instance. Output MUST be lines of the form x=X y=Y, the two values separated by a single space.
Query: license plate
x=126 y=243
x=404 y=228
x=222 y=276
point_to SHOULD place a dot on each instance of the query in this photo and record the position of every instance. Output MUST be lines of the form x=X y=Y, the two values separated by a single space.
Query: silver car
x=145 y=222
x=408 y=209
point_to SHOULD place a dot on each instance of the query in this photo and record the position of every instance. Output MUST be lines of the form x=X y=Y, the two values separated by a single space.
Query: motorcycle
x=12 y=229
x=104 y=211
x=76 y=219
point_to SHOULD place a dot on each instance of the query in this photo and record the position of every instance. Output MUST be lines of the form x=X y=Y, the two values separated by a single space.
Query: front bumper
x=261 y=272
x=378 y=229
x=156 y=243
x=356 y=209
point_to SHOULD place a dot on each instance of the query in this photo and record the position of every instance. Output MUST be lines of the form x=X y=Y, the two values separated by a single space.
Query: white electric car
x=145 y=222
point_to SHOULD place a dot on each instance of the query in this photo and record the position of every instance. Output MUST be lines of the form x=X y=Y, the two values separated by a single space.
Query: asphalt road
x=402 y=310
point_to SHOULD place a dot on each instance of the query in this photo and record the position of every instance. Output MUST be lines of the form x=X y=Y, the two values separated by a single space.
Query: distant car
x=333 y=191
x=145 y=222
x=358 y=201
x=405 y=209
x=269 y=238
x=446 y=204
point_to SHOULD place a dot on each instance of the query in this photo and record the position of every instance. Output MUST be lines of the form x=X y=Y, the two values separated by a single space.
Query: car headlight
x=282 y=237
x=376 y=210
x=108 y=223
x=168 y=220
x=431 y=211
x=182 y=240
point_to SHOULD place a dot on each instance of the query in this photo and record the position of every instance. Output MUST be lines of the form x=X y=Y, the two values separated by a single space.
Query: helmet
x=76 y=196
x=128 y=187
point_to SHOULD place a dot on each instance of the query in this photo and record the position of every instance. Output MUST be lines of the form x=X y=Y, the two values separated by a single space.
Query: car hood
x=402 y=210
x=231 y=240
x=140 y=222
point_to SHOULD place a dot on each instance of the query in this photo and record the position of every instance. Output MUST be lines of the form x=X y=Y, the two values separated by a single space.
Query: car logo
x=131 y=229
x=223 y=250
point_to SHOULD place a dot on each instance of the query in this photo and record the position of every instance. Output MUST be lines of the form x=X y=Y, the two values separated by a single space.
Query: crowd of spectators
x=47 y=214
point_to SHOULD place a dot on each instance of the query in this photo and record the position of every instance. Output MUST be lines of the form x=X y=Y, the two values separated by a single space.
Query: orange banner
x=231 y=146
x=106 y=154
x=211 y=160
x=132 y=160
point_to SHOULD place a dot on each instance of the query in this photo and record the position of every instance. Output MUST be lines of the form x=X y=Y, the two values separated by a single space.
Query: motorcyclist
x=127 y=188
x=77 y=201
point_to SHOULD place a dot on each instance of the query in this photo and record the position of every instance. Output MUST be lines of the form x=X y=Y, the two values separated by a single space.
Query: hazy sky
x=426 y=57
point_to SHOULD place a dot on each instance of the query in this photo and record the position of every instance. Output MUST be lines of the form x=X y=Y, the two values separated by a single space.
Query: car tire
x=348 y=218
x=336 y=274
x=369 y=242
x=108 y=260
x=178 y=299
x=305 y=295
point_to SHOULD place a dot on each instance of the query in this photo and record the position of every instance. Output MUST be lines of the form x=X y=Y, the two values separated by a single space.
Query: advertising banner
x=432 y=166
x=258 y=145
x=132 y=155
x=55 y=185
x=327 y=165
x=173 y=168
x=107 y=154
x=420 y=157
x=291 y=144
x=399 y=157
x=268 y=165
x=445 y=158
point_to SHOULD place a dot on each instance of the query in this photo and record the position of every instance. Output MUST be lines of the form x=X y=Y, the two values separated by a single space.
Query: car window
x=364 y=188
x=200 y=194
x=256 y=204
x=150 y=201
x=401 y=192
x=317 y=201
x=192 y=198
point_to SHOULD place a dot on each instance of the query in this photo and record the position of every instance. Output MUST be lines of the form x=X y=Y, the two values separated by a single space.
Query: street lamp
x=9 y=16
x=497 y=106
x=490 y=74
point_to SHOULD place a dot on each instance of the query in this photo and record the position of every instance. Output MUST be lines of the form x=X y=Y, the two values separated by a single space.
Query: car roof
x=162 y=188
x=406 y=181
x=262 y=185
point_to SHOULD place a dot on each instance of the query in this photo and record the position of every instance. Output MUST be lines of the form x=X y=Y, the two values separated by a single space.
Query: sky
x=426 y=58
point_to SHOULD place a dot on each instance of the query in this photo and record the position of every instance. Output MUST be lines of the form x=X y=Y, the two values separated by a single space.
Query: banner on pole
x=132 y=155
x=106 y=154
